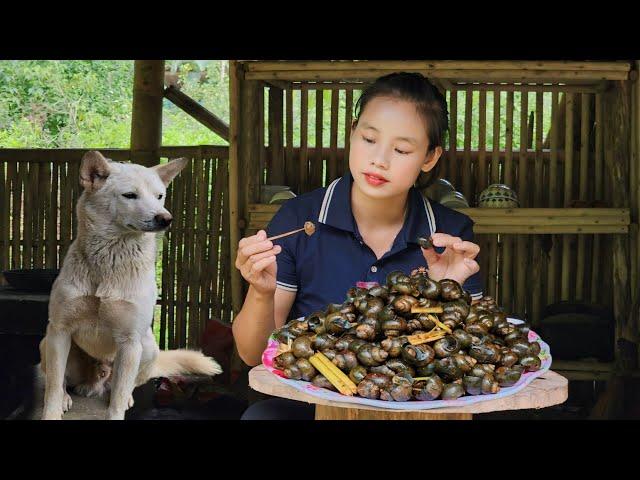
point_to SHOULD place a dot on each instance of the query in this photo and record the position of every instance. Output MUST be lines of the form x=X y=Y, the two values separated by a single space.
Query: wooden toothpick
x=309 y=228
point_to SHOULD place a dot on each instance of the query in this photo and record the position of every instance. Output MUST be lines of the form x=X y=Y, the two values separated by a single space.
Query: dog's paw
x=66 y=402
x=130 y=402
x=52 y=415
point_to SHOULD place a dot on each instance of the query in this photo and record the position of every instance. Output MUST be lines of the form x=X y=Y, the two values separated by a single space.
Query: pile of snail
x=413 y=338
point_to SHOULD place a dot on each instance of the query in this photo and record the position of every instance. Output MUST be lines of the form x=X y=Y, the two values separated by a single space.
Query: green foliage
x=87 y=103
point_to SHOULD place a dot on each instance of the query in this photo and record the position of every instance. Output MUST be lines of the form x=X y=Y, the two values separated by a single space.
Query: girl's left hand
x=456 y=262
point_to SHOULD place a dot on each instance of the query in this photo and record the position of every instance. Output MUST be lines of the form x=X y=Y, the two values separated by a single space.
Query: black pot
x=32 y=280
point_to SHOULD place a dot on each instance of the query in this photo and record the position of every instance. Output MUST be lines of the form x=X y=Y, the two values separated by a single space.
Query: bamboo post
x=453 y=169
x=466 y=169
x=521 y=240
x=332 y=170
x=16 y=204
x=633 y=186
x=582 y=192
x=506 y=282
x=166 y=278
x=187 y=255
x=27 y=222
x=197 y=112
x=316 y=164
x=227 y=265
x=553 y=198
x=146 y=113
x=215 y=221
x=55 y=217
x=200 y=253
x=567 y=195
x=276 y=171
x=617 y=113
x=304 y=124
x=233 y=204
x=291 y=170
x=179 y=231
x=598 y=181
x=49 y=217
x=537 y=258
x=348 y=120
x=66 y=210
x=481 y=176
x=495 y=159
x=635 y=190
x=494 y=178
x=4 y=227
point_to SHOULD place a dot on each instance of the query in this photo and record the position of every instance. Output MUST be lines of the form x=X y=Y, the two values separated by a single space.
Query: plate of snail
x=381 y=348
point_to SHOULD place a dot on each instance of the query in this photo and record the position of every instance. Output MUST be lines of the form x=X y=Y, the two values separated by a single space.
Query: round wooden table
x=546 y=390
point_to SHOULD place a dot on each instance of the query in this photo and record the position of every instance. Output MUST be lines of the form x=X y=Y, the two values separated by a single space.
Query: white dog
x=101 y=305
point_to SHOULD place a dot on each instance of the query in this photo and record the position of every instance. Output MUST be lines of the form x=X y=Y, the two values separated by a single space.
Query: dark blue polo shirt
x=321 y=268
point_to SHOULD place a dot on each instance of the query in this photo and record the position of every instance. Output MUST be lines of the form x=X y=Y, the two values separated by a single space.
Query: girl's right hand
x=256 y=261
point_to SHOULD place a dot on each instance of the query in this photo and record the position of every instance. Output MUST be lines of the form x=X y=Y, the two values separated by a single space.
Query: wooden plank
x=332 y=166
x=304 y=121
x=317 y=159
x=261 y=66
x=549 y=229
x=495 y=158
x=547 y=212
x=461 y=75
x=452 y=158
x=523 y=87
x=466 y=166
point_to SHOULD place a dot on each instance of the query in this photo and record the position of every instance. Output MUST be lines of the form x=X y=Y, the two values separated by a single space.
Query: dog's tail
x=179 y=362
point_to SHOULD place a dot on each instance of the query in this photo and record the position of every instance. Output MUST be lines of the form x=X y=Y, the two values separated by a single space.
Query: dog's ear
x=94 y=170
x=168 y=171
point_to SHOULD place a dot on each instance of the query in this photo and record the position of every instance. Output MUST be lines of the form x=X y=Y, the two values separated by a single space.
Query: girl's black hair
x=430 y=102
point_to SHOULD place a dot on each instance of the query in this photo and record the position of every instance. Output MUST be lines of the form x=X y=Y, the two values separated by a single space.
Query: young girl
x=367 y=225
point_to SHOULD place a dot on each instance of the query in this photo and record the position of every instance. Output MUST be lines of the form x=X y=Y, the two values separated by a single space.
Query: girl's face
x=389 y=148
